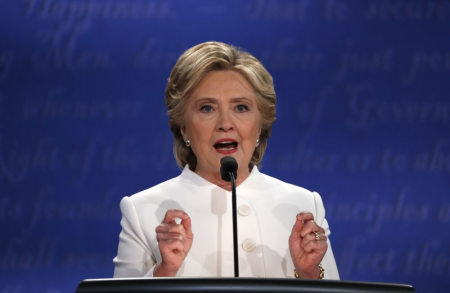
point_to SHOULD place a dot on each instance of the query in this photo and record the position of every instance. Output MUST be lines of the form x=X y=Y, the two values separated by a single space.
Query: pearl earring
x=257 y=142
x=187 y=142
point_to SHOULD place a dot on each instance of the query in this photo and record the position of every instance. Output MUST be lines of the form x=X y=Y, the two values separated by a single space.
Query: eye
x=206 y=108
x=242 y=108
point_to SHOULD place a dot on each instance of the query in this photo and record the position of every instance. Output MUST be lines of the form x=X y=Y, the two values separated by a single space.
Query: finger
x=305 y=217
x=172 y=214
x=170 y=228
x=312 y=237
x=310 y=246
x=311 y=227
x=186 y=222
x=300 y=221
x=169 y=236
x=297 y=228
x=171 y=246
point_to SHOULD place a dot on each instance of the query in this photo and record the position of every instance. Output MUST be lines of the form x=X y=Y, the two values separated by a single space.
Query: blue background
x=363 y=118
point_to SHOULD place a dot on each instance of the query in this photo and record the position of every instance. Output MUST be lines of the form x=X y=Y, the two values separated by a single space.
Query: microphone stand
x=235 y=233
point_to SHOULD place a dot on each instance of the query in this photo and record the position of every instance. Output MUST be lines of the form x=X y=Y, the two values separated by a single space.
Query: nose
x=224 y=121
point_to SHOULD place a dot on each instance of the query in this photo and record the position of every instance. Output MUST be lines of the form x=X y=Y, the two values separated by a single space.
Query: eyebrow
x=214 y=100
x=241 y=99
x=205 y=99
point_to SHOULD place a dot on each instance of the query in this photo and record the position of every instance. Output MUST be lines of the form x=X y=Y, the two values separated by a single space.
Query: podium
x=229 y=285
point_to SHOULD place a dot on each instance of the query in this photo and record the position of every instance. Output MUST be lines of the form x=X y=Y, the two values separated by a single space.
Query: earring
x=187 y=142
x=257 y=142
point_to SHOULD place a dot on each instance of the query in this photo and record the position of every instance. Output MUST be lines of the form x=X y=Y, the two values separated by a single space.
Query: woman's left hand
x=307 y=245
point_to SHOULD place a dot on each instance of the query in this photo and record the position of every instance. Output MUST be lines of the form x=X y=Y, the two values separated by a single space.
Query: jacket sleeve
x=328 y=261
x=134 y=255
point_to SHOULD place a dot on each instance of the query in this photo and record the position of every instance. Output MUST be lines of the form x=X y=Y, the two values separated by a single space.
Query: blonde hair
x=189 y=70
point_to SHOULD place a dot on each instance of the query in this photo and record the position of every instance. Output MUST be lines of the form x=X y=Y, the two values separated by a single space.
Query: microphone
x=228 y=172
x=228 y=165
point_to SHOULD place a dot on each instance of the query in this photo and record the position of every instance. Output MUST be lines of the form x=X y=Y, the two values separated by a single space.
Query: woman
x=221 y=102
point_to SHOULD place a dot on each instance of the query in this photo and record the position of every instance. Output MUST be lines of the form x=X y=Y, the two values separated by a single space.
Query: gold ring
x=317 y=235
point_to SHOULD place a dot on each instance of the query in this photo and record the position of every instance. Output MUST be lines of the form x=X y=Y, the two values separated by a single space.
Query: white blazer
x=267 y=209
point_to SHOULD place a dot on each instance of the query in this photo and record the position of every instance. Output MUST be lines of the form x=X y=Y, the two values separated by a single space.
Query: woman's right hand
x=175 y=241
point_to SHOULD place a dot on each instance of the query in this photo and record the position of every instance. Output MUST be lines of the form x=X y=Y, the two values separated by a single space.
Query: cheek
x=256 y=130
x=200 y=134
x=252 y=135
x=192 y=127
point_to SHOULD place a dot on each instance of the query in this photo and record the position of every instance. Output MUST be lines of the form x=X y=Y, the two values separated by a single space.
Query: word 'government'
x=369 y=112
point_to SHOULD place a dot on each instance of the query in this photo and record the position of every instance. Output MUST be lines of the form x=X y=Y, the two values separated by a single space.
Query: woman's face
x=222 y=119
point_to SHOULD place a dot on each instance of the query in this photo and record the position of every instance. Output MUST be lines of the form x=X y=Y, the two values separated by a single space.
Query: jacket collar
x=194 y=178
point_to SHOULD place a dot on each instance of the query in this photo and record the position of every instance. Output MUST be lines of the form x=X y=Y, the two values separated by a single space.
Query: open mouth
x=226 y=145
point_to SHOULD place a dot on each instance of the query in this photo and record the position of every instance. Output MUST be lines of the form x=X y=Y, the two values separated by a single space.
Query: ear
x=183 y=132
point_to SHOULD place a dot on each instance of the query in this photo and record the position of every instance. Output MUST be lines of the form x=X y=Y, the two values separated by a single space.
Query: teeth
x=226 y=145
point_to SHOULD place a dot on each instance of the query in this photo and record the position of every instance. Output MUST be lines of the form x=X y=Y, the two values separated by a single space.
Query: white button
x=244 y=210
x=248 y=245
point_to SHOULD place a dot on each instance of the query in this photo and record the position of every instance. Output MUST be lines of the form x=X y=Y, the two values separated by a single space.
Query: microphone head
x=228 y=165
